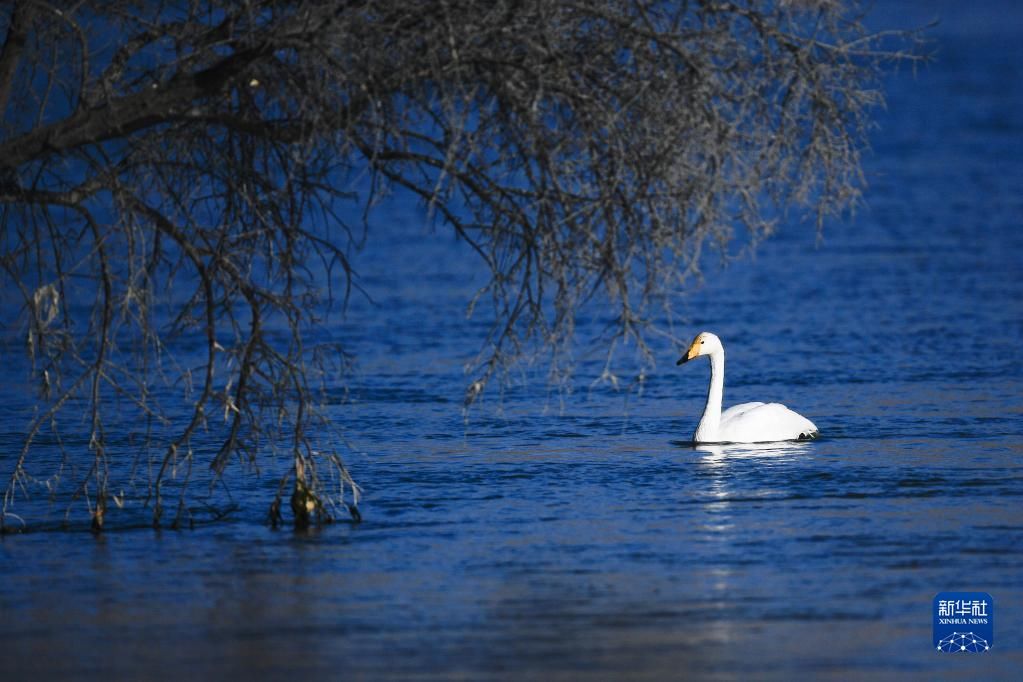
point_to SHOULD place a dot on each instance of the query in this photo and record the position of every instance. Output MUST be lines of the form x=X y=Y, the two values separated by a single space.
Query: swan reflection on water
x=718 y=453
x=726 y=469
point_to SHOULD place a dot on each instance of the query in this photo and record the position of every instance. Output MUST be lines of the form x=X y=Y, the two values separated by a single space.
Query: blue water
x=561 y=535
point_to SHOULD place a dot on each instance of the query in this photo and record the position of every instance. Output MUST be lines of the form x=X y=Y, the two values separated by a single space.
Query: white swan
x=745 y=423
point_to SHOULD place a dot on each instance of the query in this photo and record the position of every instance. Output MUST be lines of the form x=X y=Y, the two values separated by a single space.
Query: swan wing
x=736 y=410
x=764 y=422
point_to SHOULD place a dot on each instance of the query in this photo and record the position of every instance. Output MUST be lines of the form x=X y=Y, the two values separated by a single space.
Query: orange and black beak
x=694 y=351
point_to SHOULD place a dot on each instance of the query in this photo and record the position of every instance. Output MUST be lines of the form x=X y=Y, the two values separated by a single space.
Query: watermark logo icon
x=964 y=622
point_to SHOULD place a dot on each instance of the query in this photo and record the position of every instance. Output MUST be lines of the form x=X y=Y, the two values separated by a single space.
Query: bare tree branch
x=176 y=181
x=14 y=43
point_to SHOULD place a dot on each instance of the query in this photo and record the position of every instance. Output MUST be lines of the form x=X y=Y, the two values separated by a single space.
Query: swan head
x=705 y=343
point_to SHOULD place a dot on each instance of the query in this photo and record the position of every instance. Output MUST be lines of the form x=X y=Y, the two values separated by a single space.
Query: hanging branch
x=173 y=177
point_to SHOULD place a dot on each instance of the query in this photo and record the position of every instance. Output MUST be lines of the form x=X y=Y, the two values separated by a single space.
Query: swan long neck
x=707 y=431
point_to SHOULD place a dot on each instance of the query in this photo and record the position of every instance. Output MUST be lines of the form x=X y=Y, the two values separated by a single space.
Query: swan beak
x=694 y=351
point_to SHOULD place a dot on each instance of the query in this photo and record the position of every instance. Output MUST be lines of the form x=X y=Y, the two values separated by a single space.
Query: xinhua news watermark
x=964 y=622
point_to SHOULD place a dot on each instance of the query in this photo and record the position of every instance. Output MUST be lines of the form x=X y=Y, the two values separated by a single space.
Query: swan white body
x=747 y=422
